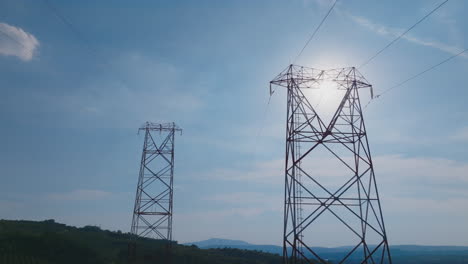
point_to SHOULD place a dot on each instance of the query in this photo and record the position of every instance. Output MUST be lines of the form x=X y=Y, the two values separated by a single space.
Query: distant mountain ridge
x=219 y=242
x=396 y=250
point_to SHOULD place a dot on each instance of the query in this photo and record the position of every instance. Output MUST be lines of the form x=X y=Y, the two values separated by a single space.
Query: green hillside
x=48 y=242
x=29 y=242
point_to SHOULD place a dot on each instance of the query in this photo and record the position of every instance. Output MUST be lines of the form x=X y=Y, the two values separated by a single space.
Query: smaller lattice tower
x=152 y=214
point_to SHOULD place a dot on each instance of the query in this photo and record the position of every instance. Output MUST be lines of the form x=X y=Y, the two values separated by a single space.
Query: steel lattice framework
x=353 y=203
x=152 y=214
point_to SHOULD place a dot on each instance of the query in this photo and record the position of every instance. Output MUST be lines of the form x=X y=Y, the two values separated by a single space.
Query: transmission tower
x=318 y=205
x=152 y=214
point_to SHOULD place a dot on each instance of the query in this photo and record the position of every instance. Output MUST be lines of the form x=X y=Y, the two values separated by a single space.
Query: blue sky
x=72 y=102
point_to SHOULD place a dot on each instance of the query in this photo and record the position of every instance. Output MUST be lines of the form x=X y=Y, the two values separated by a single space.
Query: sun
x=325 y=97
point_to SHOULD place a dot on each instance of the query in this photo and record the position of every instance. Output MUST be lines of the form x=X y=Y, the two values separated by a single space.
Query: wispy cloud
x=411 y=187
x=320 y=3
x=395 y=32
x=224 y=213
x=10 y=206
x=130 y=99
x=439 y=175
x=447 y=19
x=432 y=172
x=136 y=92
x=78 y=195
x=206 y=224
x=14 y=41
x=408 y=205
x=265 y=172
x=461 y=135
x=260 y=200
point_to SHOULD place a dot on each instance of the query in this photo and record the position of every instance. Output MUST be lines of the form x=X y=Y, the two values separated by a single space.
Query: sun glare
x=325 y=97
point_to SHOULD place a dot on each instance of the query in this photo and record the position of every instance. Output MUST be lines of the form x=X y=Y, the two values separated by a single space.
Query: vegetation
x=31 y=242
x=48 y=242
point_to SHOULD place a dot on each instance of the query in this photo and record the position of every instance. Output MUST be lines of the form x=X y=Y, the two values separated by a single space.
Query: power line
x=418 y=74
x=80 y=36
x=316 y=30
x=262 y=124
x=70 y=26
x=401 y=35
x=421 y=73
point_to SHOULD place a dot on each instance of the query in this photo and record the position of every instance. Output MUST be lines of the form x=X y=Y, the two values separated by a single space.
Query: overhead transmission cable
x=422 y=72
x=295 y=59
x=418 y=74
x=80 y=36
x=262 y=124
x=316 y=30
x=70 y=25
x=402 y=34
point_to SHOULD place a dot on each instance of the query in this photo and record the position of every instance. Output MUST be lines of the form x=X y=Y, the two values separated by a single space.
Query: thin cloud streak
x=391 y=170
x=461 y=135
x=78 y=195
x=394 y=32
x=264 y=200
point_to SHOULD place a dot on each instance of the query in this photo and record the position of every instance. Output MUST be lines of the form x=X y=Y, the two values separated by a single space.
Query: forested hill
x=48 y=242
x=29 y=242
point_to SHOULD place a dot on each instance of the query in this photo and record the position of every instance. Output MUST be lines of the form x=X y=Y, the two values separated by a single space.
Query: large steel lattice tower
x=330 y=185
x=152 y=214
